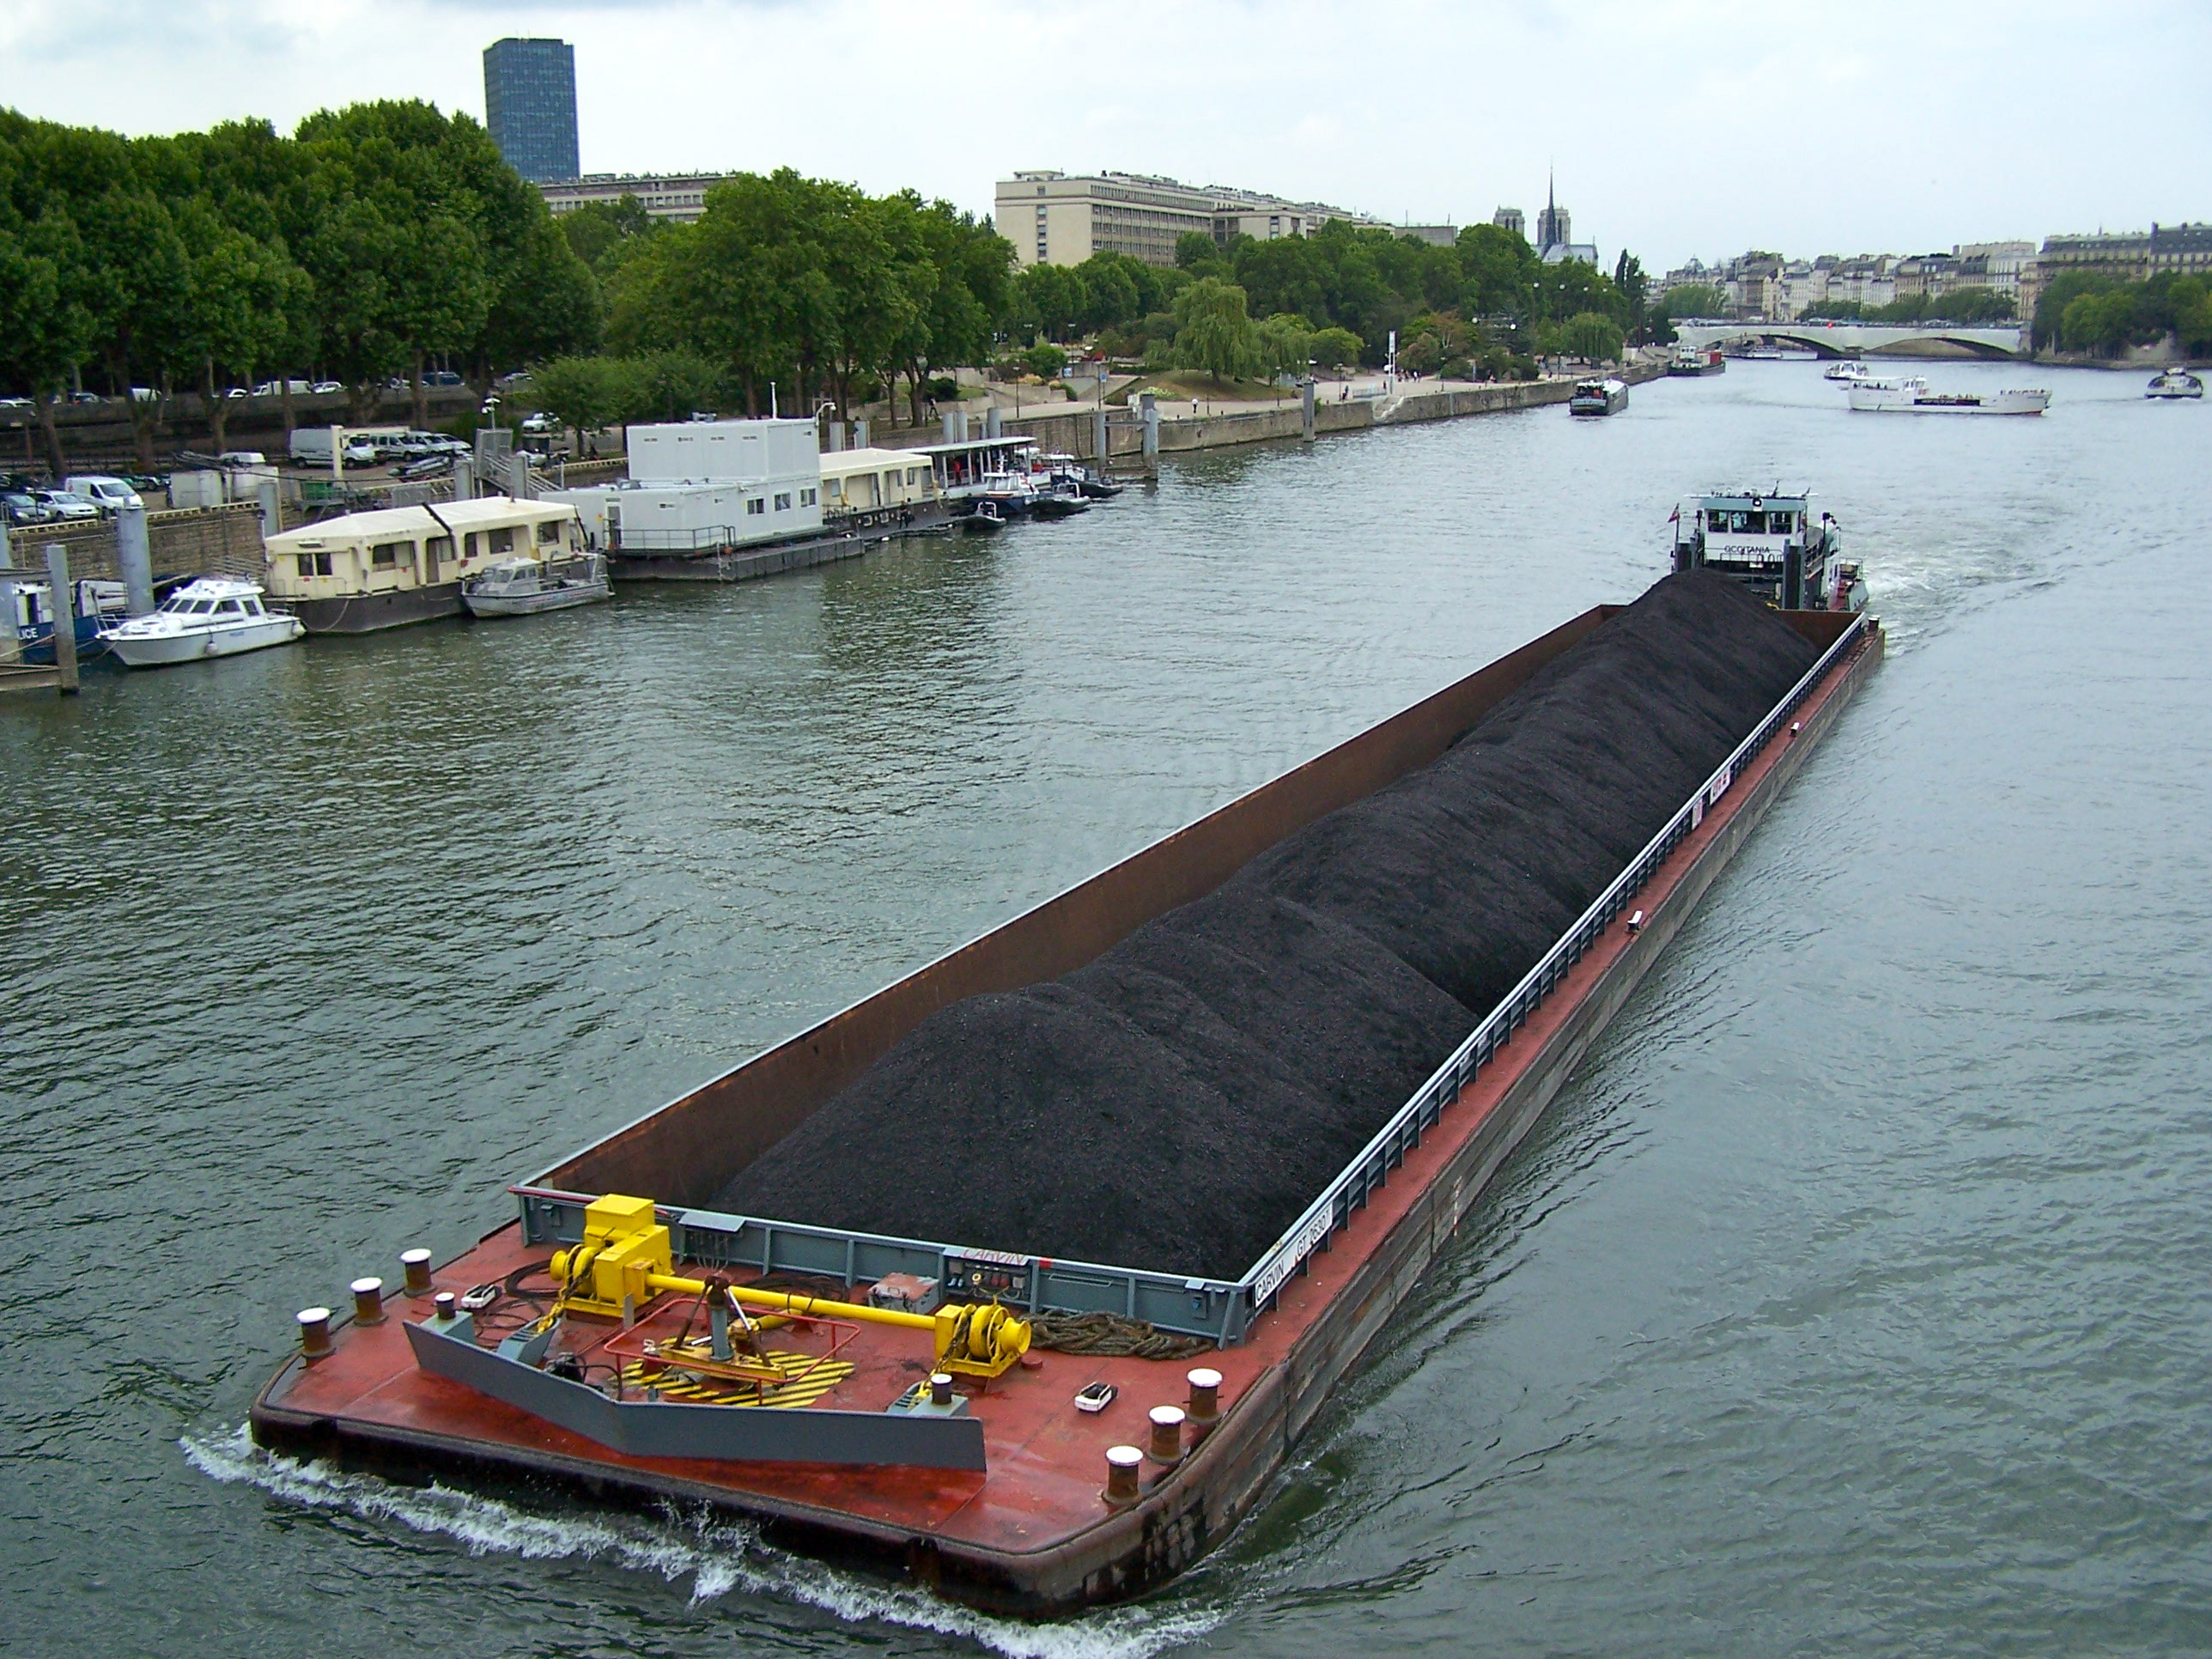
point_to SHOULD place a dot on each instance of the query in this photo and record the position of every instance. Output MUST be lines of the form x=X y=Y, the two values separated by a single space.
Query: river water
x=1858 y=1297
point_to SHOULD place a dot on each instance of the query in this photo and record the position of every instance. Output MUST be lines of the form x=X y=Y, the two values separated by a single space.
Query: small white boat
x=2175 y=382
x=1910 y=395
x=213 y=616
x=520 y=587
x=1851 y=371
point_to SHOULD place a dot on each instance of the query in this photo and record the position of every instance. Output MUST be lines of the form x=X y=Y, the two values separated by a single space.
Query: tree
x=598 y=231
x=1591 y=335
x=1332 y=348
x=1212 y=332
x=588 y=394
x=1286 y=343
x=1694 y=299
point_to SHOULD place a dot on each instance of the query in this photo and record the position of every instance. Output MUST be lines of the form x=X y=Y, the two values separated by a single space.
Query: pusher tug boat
x=213 y=616
x=1027 y=1434
x=1775 y=542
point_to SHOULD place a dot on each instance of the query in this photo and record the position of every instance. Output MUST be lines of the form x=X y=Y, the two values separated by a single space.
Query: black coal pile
x=1177 y=1103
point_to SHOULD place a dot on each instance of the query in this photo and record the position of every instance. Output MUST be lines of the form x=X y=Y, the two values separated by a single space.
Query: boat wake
x=718 y=1555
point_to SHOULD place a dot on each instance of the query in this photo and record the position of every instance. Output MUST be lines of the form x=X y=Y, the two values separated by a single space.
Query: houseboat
x=1775 y=542
x=863 y=487
x=366 y=571
x=1598 y=397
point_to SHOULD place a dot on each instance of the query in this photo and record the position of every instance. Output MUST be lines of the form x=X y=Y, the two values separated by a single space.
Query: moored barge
x=879 y=1398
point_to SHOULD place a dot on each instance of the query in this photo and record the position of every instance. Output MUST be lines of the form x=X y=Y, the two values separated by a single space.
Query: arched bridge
x=1828 y=339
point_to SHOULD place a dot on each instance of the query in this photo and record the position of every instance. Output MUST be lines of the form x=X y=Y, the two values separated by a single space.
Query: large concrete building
x=681 y=196
x=1059 y=219
x=530 y=107
x=1511 y=219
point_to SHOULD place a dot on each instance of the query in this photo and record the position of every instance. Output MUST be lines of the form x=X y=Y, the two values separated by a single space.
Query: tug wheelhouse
x=1780 y=545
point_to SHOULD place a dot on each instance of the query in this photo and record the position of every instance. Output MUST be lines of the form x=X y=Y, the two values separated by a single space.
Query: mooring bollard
x=58 y=582
x=314 y=1333
x=1122 y=1463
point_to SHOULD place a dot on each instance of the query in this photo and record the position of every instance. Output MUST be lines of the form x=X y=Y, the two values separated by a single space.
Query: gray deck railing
x=1223 y=1310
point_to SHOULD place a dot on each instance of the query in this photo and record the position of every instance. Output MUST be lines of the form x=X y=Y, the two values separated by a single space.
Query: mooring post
x=11 y=647
x=272 y=508
x=135 y=559
x=65 y=618
x=1306 y=407
x=1151 y=412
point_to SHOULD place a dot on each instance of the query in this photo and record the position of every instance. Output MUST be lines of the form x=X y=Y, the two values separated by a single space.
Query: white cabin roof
x=842 y=463
x=477 y=515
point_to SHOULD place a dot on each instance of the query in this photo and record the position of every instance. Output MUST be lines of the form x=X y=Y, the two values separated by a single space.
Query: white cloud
x=1699 y=126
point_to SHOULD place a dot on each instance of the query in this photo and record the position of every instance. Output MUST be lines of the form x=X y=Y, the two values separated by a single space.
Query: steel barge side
x=1036 y=1531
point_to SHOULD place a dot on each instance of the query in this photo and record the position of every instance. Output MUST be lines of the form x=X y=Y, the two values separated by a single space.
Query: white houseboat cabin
x=365 y=571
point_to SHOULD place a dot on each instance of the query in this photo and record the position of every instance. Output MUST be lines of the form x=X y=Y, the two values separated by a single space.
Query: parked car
x=21 y=507
x=86 y=398
x=441 y=377
x=241 y=458
x=228 y=391
x=427 y=466
x=275 y=389
x=324 y=388
x=538 y=423
x=103 y=489
x=60 y=504
x=17 y=404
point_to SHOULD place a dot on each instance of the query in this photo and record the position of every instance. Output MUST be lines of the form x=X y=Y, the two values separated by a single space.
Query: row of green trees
x=801 y=290
x=1961 y=307
x=1484 y=302
x=2082 y=310
x=375 y=240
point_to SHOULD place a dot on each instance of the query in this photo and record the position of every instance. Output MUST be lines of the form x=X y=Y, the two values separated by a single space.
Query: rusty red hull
x=1032 y=1535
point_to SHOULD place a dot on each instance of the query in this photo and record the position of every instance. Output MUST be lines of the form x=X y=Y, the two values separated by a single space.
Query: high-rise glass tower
x=530 y=105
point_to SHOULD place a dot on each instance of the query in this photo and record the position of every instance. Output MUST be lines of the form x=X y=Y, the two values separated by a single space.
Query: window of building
x=783 y=501
x=385 y=555
x=470 y=545
x=549 y=532
x=440 y=547
x=503 y=539
x=315 y=564
x=806 y=498
x=755 y=506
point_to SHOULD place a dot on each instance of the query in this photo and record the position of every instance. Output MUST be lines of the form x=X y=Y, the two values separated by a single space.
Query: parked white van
x=103 y=491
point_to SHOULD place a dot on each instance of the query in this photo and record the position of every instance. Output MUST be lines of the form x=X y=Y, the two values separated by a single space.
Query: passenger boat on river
x=1598 y=397
x=1911 y=394
x=2174 y=382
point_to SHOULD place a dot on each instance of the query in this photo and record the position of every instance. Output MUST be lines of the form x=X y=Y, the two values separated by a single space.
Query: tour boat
x=521 y=586
x=2175 y=382
x=1850 y=370
x=1910 y=395
x=214 y=616
x=1775 y=542
x=1598 y=397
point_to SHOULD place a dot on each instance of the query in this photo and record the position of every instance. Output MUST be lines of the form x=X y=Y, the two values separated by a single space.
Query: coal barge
x=1028 y=1432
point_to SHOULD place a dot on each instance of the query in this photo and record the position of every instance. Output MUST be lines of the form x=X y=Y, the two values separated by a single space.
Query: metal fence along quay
x=1219 y=1309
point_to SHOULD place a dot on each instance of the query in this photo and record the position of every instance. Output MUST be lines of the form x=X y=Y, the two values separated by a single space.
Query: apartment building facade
x=1061 y=219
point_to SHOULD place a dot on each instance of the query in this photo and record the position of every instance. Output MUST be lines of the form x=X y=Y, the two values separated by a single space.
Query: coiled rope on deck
x=1111 y=1335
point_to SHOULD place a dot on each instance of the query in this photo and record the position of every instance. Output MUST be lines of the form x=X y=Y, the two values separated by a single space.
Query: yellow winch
x=624 y=1262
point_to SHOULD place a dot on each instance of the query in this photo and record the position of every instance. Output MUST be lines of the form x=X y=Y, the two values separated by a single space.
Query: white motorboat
x=1850 y=370
x=520 y=587
x=1910 y=395
x=213 y=616
x=2175 y=382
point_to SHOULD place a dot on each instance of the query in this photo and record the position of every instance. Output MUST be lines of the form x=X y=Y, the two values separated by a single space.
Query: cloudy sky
x=1677 y=126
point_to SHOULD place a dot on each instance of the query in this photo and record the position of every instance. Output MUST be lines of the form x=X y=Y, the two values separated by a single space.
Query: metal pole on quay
x=64 y=619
